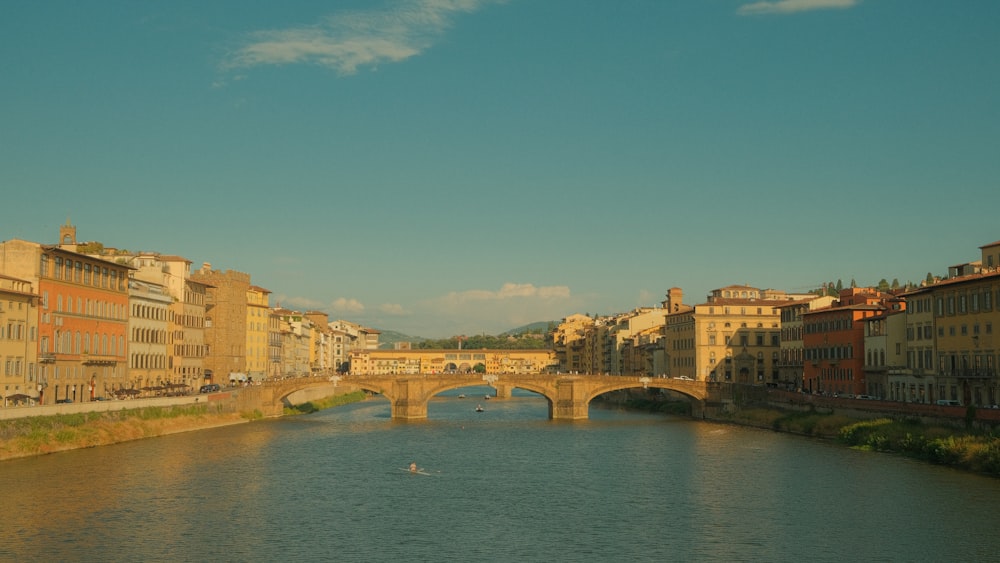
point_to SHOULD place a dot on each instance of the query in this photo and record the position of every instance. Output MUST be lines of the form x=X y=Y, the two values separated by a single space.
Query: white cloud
x=344 y=305
x=347 y=41
x=394 y=309
x=508 y=291
x=293 y=302
x=792 y=6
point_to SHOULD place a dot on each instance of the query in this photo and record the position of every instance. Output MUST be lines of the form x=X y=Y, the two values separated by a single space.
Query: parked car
x=64 y=400
x=210 y=388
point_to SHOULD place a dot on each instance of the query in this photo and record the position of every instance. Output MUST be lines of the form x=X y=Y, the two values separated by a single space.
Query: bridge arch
x=568 y=397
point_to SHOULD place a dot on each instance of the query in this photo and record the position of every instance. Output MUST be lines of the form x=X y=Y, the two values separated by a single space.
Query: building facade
x=18 y=342
x=734 y=336
x=225 y=321
x=82 y=316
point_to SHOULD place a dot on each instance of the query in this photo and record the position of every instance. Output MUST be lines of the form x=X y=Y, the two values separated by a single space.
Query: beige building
x=886 y=374
x=149 y=312
x=348 y=337
x=186 y=349
x=324 y=344
x=18 y=342
x=735 y=336
x=296 y=343
x=568 y=342
x=790 y=357
x=225 y=321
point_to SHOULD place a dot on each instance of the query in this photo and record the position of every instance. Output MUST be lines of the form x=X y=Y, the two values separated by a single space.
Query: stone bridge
x=568 y=396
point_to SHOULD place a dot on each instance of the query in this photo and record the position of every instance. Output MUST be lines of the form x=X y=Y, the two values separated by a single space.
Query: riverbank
x=40 y=435
x=970 y=449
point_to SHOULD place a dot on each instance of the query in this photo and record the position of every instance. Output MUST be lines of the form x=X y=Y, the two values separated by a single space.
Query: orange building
x=834 y=341
x=82 y=316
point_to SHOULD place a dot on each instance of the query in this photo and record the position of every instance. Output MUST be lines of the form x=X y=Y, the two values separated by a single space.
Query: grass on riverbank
x=969 y=450
x=35 y=435
x=329 y=402
x=966 y=449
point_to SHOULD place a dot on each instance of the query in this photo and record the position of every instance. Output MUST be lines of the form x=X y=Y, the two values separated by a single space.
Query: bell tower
x=67 y=236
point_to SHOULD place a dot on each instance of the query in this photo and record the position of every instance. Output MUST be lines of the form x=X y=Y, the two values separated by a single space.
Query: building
x=568 y=342
x=258 y=339
x=225 y=321
x=148 y=329
x=82 y=316
x=834 y=341
x=952 y=348
x=186 y=348
x=18 y=342
x=296 y=343
x=886 y=375
x=790 y=356
x=324 y=344
x=734 y=336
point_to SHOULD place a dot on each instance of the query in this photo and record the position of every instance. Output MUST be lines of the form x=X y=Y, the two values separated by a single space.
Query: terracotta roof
x=955 y=280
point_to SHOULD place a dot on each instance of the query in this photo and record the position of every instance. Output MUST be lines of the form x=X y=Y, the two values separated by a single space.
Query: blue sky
x=441 y=167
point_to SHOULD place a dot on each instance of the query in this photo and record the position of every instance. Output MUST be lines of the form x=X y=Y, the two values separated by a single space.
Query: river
x=505 y=484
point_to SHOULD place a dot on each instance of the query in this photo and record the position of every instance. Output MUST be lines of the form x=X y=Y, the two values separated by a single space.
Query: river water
x=506 y=484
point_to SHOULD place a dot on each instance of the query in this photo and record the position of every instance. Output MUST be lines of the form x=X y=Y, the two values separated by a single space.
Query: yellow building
x=18 y=342
x=950 y=331
x=733 y=337
x=258 y=313
x=568 y=341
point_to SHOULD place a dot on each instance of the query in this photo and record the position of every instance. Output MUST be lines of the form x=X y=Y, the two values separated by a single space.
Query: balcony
x=46 y=358
x=95 y=360
x=982 y=373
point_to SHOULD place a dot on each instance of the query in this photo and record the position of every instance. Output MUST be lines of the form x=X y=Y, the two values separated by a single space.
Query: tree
x=895 y=283
x=883 y=285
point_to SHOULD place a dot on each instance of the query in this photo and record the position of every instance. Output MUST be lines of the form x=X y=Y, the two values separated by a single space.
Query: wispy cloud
x=344 y=305
x=296 y=302
x=393 y=309
x=508 y=291
x=350 y=40
x=793 y=6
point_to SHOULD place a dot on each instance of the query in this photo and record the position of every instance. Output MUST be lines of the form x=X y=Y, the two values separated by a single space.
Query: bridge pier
x=503 y=390
x=571 y=400
x=409 y=400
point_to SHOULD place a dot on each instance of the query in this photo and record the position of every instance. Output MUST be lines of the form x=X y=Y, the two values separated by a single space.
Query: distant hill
x=540 y=326
x=388 y=338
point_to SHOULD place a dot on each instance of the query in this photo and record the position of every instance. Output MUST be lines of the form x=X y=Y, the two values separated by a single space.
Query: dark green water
x=505 y=485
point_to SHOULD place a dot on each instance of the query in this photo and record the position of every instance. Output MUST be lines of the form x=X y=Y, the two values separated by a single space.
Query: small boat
x=462 y=396
x=487 y=397
x=479 y=408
